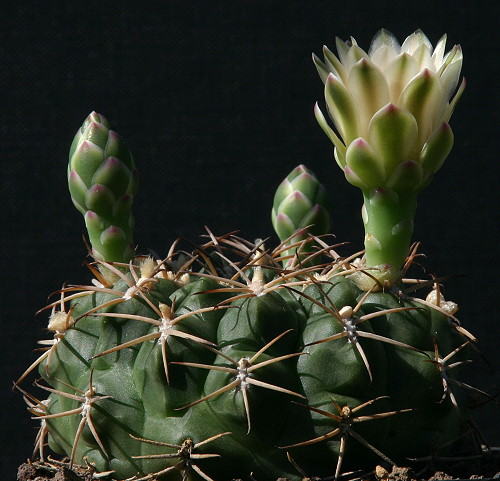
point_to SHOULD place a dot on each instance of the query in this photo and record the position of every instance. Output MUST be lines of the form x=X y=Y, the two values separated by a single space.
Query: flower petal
x=451 y=107
x=438 y=54
x=342 y=109
x=340 y=157
x=384 y=38
x=423 y=57
x=453 y=55
x=328 y=130
x=399 y=73
x=451 y=72
x=354 y=55
x=423 y=98
x=334 y=65
x=413 y=41
x=383 y=56
x=369 y=88
x=342 y=49
x=322 y=69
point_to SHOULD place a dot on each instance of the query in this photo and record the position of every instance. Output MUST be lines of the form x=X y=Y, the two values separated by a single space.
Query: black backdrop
x=215 y=100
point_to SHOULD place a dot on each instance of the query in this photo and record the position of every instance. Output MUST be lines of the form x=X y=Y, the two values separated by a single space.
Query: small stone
x=381 y=473
x=65 y=474
x=402 y=474
x=440 y=475
x=26 y=471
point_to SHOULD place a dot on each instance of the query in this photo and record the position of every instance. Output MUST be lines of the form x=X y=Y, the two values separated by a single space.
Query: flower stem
x=388 y=218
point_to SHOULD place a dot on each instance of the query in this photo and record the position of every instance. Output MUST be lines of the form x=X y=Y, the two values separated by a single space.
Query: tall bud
x=102 y=181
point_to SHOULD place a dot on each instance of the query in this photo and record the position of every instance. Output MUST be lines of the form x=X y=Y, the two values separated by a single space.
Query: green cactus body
x=252 y=367
x=237 y=362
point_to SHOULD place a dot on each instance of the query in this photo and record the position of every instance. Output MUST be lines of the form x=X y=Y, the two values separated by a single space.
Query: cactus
x=240 y=361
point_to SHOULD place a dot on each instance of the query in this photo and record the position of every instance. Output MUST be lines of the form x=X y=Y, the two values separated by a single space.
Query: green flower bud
x=102 y=181
x=300 y=206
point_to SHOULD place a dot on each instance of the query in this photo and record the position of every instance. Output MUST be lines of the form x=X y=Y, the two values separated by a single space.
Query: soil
x=486 y=468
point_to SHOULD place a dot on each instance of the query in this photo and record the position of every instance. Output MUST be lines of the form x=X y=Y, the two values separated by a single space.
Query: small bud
x=300 y=206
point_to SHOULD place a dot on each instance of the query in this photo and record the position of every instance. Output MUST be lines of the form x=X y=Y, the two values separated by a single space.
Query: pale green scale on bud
x=390 y=108
x=102 y=181
x=300 y=209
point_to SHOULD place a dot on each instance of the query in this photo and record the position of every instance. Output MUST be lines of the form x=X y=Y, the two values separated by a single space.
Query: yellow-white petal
x=383 y=56
x=328 y=130
x=451 y=74
x=334 y=64
x=340 y=157
x=451 y=107
x=438 y=54
x=384 y=38
x=369 y=90
x=342 y=49
x=321 y=67
x=354 y=55
x=399 y=73
x=342 y=109
x=423 y=57
x=422 y=97
x=413 y=41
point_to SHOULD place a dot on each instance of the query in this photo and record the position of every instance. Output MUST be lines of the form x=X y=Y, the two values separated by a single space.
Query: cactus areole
x=242 y=361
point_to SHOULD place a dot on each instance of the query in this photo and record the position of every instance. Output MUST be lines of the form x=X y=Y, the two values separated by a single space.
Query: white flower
x=391 y=108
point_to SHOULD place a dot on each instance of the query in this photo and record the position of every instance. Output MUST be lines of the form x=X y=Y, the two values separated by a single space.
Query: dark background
x=215 y=100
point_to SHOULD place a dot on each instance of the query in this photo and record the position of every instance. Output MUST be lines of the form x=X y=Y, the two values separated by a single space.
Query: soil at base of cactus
x=487 y=469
